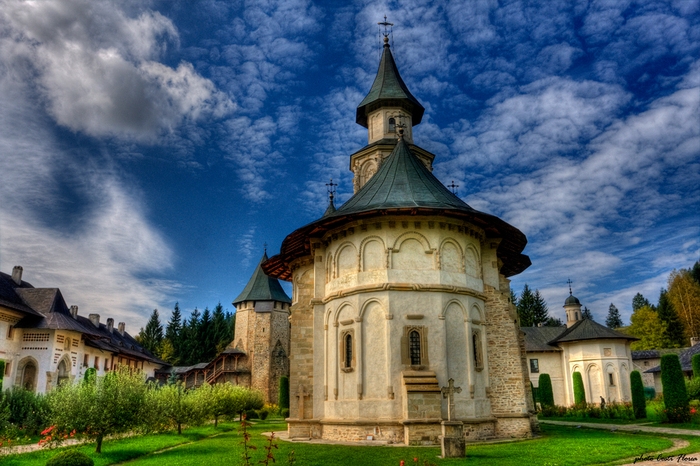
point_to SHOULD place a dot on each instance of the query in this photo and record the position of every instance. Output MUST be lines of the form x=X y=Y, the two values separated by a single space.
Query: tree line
x=185 y=342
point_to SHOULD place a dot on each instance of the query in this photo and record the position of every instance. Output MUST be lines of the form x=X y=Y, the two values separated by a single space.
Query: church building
x=602 y=356
x=399 y=290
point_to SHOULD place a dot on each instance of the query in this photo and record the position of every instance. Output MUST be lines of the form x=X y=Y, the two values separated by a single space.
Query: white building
x=44 y=342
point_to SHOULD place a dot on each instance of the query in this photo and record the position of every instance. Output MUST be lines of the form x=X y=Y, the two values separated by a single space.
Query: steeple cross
x=570 y=282
x=265 y=247
x=453 y=186
x=301 y=394
x=386 y=25
x=449 y=393
x=331 y=189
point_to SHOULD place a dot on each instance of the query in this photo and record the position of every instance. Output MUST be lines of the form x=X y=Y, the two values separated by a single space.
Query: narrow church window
x=476 y=347
x=392 y=125
x=414 y=347
x=348 y=350
x=534 y=365
x=612 y=379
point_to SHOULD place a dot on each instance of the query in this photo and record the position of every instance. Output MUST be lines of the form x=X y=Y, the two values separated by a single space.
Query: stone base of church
x=410 y=432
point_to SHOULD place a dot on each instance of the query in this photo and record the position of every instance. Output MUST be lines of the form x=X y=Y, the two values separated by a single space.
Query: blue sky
x=148 y=150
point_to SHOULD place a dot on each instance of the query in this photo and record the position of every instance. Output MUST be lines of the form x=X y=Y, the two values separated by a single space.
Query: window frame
x=345 y=365
x=534 y=368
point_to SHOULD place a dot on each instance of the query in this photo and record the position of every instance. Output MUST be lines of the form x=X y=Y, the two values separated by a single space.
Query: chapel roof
x=685 y=357
x=388 y=89
x=571 y=300
x=261 y=287
x=537 y=338
x=588 y=329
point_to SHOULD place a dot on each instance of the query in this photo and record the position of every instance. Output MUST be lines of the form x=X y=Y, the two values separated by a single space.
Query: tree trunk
x=216 y=421
x=98 y=440
x=179 y=429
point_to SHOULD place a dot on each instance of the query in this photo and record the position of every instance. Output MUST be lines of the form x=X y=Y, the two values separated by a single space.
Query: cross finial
x=453 y=187
x=386 y=25
x=331 y=189
x=570 y=282
x=265 y=247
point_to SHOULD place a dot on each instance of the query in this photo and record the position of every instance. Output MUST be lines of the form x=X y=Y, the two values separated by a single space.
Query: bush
x=675 y=394
x=545 y=391
x=284 y=412
x=649 y=393
x=283 y=398
x=28 y=411
x=696 y=366
x=251 y=414
x=692 y=387
x=579 y=390
x=2 y=373
x=639 y=403
x=262 y=414
x=70 y=458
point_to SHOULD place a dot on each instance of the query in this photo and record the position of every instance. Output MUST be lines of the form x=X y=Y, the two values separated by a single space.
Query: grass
x=558 y=445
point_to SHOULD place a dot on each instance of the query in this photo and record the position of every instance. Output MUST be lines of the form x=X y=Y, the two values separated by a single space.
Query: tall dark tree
x=205 y=336
x=152 y=336
x=695 y=272
x=231 y=319
x=191 y=348
x=673 y=326
x=586 y=313
x=220 y=328
x=553 y=322
x=526 y=307
x=513 y=297
x=613 y=320
x=639 y=301
x=540 y=313
x=173 y=331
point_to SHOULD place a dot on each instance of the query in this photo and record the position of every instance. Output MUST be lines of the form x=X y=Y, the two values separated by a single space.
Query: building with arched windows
x=602 y=356
x=397 y=291
x=43 y=342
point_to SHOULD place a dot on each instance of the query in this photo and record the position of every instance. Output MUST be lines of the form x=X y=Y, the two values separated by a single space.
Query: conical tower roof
x=388 y=89
x=260 y=287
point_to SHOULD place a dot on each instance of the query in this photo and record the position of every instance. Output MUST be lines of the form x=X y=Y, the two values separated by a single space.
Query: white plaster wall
x=550 y=363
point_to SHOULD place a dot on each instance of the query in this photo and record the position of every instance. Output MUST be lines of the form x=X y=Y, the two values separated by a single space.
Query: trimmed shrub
x=579 y=390
x=251 y=414
x=545 y=391
x=675 y=394
x=695 y=362
x=284 y=393
x=639 y=403
x=262 y=414
x=284 y=412
x=70 y=458
x=649 y=393
x=693 y=388
x=90 y=375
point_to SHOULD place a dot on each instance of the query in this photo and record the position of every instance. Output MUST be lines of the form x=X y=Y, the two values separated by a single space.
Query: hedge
x=70 y=458
x=695 y=363
x=675 y=394
x=283 y=400
x=546 y=394
x=639 y=402
x=579 y=390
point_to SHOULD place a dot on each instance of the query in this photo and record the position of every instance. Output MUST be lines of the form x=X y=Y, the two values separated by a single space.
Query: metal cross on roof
x=331 y=189
x=569 y=282
x=265 y=247
x=385 y=24
x=453 y=186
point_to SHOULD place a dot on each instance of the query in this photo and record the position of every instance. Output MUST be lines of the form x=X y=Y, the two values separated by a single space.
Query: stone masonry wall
x=301 y=344
x=260 y=368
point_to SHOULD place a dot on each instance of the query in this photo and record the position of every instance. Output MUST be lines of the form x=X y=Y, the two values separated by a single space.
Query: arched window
x=414 y=347
x=29 y=376
x=476 y=347
x=348 y=350
x=392 y=125
x=62 y=372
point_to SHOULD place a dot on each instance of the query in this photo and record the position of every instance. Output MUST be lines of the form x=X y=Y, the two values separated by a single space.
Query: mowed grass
x=557 y=446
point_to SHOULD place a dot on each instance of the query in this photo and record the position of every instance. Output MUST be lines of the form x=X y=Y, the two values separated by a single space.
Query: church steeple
x=389 y=103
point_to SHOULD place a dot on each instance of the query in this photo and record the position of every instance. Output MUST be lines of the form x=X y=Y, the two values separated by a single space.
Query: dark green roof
x=538 y=338
x=262 y=288
x=571 y=300
x=389 y=89
x=588 y=329
x=402 y=181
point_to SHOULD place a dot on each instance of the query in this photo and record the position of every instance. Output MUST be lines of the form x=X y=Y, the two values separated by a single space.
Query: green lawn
x=557 y=446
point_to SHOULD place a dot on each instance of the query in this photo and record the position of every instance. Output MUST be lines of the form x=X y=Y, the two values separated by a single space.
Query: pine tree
x=221 y=329
x=553 y=322
x=673 y=326
x=613 y=320
x=152 y=336
x=639 y=301
x=513 y=298
x=525 y=307
x=191 y=347
x=173 y=332
x=540 y=313
x=205 y=336
x=586 y=313
x=695 y=272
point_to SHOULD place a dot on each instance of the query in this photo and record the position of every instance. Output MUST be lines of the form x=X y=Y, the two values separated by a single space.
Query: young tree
x=613 y=320
x=101 y=406
x=675 y=394
x=579 y=389
x=545 y=392
x=639 y=301
x=673 y=326
x=586 y=313
x=639 y=403
x=646 y=326
x=525 y=307
x=152 y=336
x=684 y=294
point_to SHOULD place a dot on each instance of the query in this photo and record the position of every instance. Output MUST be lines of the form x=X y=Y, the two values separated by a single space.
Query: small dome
x=572 y=300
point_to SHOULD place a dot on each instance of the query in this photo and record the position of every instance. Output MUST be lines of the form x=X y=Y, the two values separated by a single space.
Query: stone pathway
x=625 y=427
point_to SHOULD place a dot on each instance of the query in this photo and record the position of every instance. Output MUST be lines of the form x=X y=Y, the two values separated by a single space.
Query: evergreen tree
x=540 y=313
x=639 y=301
x=639 y=403
x=579 y=389
x=553 y=322
x=220 y=328
x=586 y=313
x=613 y=320
x=513 y=298
x=675 y=394
x=174 y=327
x=545 y=393
x=673 y=326
x=231 y=319
x=191 y=347
x=695 y=272
x=205 y=336
x=152 y=336
x=526 y=306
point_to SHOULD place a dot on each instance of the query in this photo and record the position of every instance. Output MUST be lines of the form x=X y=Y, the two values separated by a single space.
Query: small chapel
x=401 y=317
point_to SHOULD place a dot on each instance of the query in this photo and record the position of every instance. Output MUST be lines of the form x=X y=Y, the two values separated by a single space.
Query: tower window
x=534 y=366
x=392 y=125
x=348 y=350
x=611 y=378
x=414 y=347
